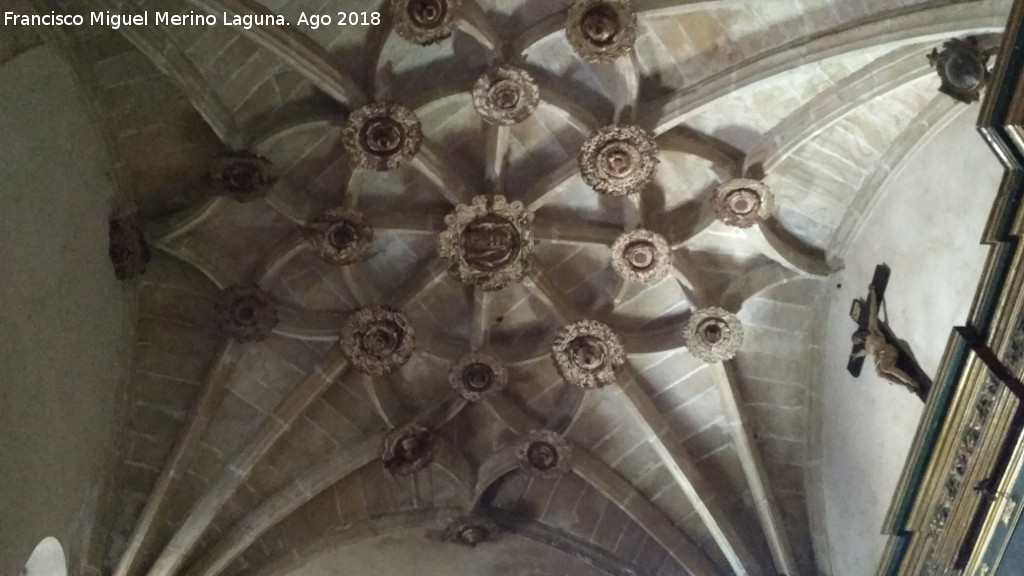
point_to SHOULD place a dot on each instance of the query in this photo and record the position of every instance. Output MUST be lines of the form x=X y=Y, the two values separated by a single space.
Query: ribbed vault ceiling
x=261 y=457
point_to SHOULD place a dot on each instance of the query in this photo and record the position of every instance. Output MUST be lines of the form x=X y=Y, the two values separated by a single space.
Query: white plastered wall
x=62 y=313
x=927 y=227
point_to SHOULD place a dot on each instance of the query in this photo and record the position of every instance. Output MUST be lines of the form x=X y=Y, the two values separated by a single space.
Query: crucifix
x=891 y=356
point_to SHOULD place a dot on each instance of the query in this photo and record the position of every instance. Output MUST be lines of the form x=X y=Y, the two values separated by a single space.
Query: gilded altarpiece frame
x=959 y=497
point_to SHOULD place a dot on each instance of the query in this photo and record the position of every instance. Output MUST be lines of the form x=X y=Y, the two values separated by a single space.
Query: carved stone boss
x=544 y=454
x=963 y=67
x=471 y=530
x=246 y=313
x=588 y=354
x=424 y=22
x=619 y=160
x=601 y=30
x=408 y=449
x=128 y=250
x=377 y=339
x=340 y=236
x=742 y=202
x=488 y=244
x=713 y=334
x=242 y=176
x=381 y=135
x=477 y=375
x=506 y=95
x=641 y=256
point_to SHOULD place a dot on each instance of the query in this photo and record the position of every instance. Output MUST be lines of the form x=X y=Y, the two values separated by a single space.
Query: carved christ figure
x=883 y=352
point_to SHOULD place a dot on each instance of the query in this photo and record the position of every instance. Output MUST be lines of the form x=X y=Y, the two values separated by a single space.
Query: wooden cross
x=891 y=357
